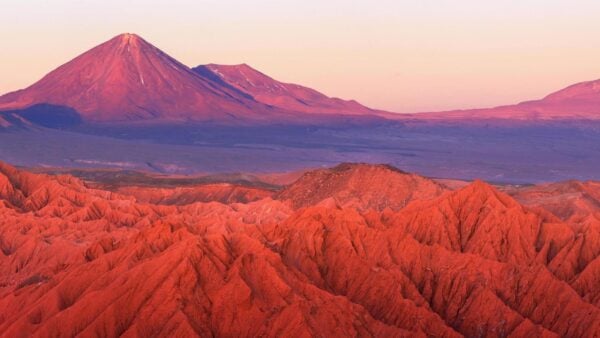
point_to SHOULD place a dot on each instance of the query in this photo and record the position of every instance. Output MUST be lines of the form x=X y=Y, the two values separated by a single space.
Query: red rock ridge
x=470 y=262
x=360 y=186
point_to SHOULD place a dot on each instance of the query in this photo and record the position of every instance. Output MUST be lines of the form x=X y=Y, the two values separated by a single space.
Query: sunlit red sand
x=408 y=257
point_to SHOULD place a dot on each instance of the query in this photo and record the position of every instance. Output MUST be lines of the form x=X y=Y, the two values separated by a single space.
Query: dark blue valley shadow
x=44 y=115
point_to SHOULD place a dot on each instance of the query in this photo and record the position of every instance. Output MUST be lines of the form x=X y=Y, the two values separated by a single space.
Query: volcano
x=128 y=79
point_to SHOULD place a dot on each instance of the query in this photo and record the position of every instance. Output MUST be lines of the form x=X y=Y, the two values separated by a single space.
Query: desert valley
x=140 y=197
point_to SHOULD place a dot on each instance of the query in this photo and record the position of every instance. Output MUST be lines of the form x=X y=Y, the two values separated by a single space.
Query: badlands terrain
x=352 y=250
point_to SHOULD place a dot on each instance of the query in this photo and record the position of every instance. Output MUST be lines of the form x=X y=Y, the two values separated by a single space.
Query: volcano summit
x=127 y=79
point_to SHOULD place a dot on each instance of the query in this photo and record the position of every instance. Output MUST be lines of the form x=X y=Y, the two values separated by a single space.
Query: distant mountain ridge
x=287 y=96
x=580 y=101
x=588 y=90
x=127 y=79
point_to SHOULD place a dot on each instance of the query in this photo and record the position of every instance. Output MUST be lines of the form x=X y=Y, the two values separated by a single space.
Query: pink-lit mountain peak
x=588 y=90
x=127 y=78
x=580 y=101
x=288 y=96
x=249 y=79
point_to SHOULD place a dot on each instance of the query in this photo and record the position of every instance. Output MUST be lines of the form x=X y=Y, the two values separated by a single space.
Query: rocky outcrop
x=360 y=186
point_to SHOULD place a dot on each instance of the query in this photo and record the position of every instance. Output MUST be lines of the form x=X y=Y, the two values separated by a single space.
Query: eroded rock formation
x=356 y=250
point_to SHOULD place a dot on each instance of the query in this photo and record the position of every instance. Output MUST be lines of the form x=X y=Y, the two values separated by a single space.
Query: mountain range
x=125 y=104
x=127 y=79
x=580 y=101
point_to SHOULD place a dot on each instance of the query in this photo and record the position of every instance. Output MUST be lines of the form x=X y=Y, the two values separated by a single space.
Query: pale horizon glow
x=403 y=56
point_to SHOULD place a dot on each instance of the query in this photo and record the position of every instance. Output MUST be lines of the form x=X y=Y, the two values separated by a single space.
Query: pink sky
x=401 y=56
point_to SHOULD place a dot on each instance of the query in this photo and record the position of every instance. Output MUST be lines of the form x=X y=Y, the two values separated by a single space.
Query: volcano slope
x=309 y=260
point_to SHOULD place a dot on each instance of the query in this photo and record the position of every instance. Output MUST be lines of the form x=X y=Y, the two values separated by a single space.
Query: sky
x=402 y=56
